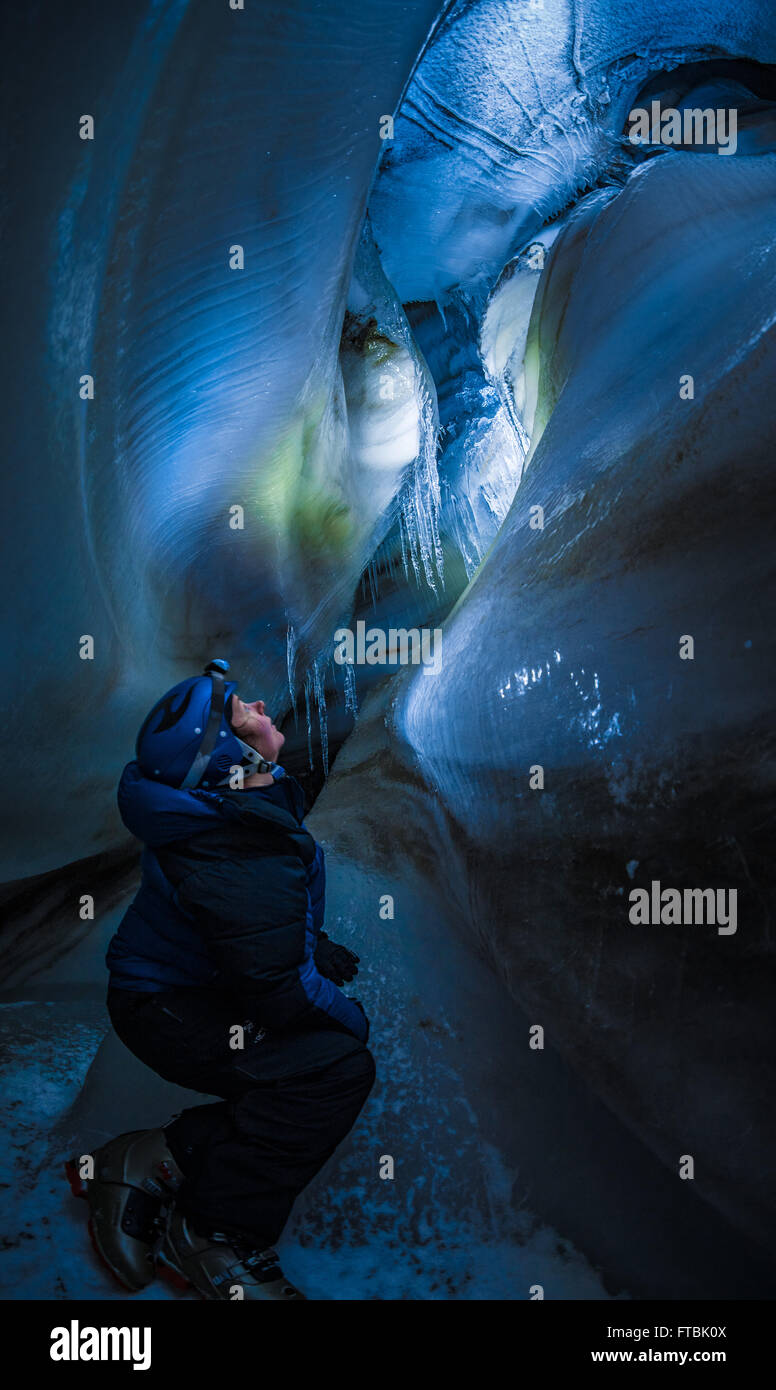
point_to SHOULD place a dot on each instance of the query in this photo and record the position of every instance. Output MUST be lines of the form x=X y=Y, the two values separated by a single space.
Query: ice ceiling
x=516 y=380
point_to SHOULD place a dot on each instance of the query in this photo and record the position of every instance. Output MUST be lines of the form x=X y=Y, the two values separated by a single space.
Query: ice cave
x=375 y=314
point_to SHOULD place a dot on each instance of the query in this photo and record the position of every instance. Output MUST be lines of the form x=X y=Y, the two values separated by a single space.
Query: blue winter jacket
x=232 y=896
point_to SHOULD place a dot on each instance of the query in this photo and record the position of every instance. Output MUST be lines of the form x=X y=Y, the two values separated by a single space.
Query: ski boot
x=135 y=1178
x=215 y=1264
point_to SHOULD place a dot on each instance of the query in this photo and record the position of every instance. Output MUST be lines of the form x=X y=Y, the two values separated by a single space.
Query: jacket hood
x=158 y=814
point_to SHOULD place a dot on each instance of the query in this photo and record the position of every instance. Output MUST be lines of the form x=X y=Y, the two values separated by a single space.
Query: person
x=223 y=980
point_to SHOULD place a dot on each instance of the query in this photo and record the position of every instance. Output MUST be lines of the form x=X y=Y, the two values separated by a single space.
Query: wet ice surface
x=564 y=654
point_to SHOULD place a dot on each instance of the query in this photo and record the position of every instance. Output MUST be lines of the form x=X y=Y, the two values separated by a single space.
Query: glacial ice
x=514 y=111
x=564 y=654
x=468 y=387
x=214 y=388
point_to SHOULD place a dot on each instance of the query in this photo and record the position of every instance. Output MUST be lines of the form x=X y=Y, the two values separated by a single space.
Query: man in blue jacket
x=223 y=981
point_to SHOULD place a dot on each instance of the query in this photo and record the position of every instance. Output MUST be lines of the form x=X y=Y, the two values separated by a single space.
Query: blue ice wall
x=213 y=387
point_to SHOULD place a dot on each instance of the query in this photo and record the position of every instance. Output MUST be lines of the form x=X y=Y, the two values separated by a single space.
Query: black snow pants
x=288 y=1100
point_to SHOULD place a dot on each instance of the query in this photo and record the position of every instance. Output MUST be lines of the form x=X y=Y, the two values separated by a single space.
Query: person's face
x=254 y=727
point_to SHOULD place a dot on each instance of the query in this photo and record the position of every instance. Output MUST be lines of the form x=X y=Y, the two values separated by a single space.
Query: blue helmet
x=187 y=740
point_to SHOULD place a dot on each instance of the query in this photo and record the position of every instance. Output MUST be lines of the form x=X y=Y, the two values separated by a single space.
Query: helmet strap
x=252 y=761
x=210 y=736
x=256 y=763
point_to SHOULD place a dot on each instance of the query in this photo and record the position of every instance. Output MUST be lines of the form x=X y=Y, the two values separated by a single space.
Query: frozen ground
x=508 y=1171
x=46 y=1253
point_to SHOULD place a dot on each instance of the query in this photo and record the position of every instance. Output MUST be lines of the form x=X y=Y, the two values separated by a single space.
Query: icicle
x=320 y=700
x=403 y=539
x=351 y=698
x=370 y=569
x=412 y=535
x=420 y=505
x=291 y=665
x=309 y=721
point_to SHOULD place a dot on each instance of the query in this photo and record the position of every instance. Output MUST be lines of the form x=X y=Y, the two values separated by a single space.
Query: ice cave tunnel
x=444 y=386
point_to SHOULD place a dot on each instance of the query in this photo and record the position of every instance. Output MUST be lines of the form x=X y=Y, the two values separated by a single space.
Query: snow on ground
x=345 y=1240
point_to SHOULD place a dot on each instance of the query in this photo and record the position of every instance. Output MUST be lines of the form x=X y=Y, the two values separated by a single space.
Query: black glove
x=336 y=963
